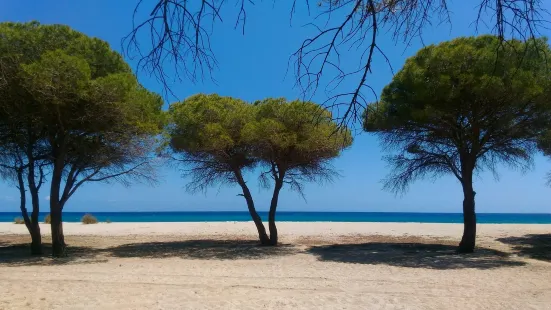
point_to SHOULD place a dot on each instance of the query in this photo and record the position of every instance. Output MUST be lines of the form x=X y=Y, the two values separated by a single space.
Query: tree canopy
x=457 y=108
x=206 y=138
x=207 y=131
x=298 y=139
x=73 y=106
x=219 y=138
x=295 y=141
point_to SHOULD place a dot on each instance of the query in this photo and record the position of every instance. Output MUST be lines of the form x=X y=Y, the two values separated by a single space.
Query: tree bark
x=58 y=239
x=36 y=239
x=36 y=245
x=262 y=236
x=34 y=230
x=468 y=241
x=273 y=206
x=31 y=223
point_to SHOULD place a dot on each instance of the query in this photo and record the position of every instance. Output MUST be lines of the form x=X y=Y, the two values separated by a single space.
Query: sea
x=400 y=217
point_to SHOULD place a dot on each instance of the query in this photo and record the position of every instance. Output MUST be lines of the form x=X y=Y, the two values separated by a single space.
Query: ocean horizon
x=297 y=216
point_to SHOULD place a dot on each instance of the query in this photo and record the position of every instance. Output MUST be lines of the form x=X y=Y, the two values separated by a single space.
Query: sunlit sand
x=318 y=265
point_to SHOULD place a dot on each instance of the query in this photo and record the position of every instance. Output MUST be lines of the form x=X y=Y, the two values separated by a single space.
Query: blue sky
x=254 y=67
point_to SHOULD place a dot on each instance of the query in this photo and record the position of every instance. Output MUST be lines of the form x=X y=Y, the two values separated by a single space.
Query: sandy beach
x=317 y=266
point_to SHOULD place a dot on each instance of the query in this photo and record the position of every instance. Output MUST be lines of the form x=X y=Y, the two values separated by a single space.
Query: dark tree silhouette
x=544 y=144
x=457 y=108
x=179 y=35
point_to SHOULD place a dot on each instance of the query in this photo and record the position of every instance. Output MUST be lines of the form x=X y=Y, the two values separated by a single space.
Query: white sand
x=290 y=229
x=179 y=266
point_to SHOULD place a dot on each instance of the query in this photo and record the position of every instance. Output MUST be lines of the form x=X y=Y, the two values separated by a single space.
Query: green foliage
x=66 y=74
x=296 y=130
x=88 y=219
x=48 y=219
x=56 y=76
x=76 y=105
x=208 y=123
x=464 y=105
x=206 y=133
x=295 y=139
x=27 y=42
x=219 y=136
x=19 y=220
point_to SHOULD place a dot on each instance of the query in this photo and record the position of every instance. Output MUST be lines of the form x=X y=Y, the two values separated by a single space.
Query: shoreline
x=285 y=229
x=314 y=217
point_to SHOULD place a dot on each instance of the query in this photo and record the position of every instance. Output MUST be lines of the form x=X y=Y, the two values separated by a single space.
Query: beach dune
x=318 y=266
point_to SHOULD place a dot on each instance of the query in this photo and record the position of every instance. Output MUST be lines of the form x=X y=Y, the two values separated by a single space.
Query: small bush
x=89 y=219
x=48 y=219
x=108 y=221
x=19 y=220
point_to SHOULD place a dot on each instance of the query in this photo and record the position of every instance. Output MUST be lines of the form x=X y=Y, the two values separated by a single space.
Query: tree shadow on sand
x=533 y=246
x=413 y=255
x=201 y=249
x=14 y=255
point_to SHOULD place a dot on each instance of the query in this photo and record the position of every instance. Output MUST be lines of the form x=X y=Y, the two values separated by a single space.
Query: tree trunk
x=262 y=236
x=36 y=239
x=36 y=245
x=59 y=155
x=468 y=240
x=31 y=223
x=272 y=214
x=58 y=239
x=34 y=230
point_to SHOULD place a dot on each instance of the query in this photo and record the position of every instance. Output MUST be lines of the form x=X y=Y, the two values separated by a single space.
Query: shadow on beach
x=532 y=246
x=202 y=249
x=412 y=255
x=19 y=255
x=402 y=254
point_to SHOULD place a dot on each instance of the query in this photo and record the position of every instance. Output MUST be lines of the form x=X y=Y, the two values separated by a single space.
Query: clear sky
x=254 y=67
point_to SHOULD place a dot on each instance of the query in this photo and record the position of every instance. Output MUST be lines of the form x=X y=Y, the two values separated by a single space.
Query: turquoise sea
x=402 y=217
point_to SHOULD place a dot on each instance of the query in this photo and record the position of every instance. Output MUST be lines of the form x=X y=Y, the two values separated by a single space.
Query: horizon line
x=286 y=211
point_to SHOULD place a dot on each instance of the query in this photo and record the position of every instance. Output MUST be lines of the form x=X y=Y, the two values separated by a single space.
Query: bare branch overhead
x=179 y=35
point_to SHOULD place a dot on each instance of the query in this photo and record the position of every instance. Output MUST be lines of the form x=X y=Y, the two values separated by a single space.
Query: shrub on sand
x=89 y=219
x=48 y=219
x=19 y=220
x=108 y=221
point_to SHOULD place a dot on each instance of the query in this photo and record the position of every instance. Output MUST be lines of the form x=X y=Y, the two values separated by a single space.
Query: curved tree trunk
x=262 y=236
x=58 y=239
x=36 y=245
x=36 y=240
x=34 y=230
x=31 y=223
x=468 y=240
x=272 y=214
